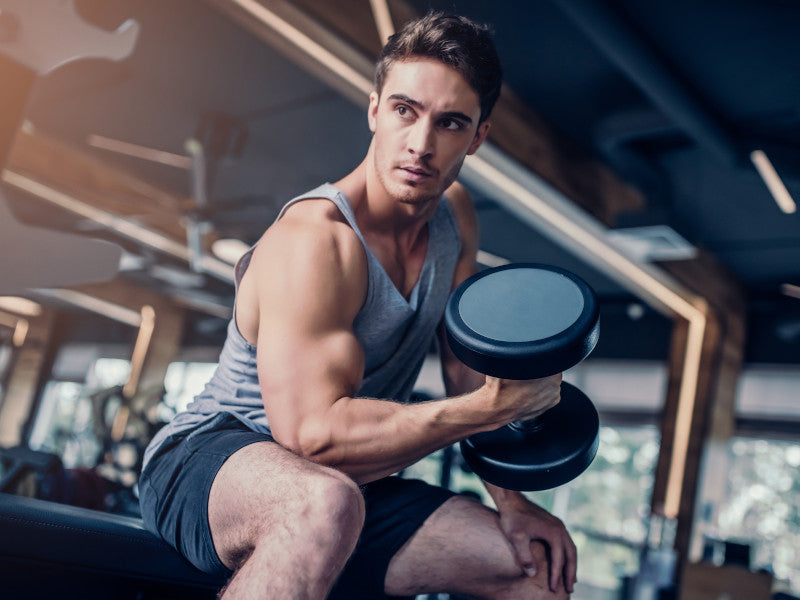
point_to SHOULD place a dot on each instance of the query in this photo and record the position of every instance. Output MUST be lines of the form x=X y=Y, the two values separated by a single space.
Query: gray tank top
x=395 y=333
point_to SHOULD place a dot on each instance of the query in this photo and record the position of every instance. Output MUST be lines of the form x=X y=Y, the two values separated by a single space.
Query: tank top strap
x=335 y=195
x=326 y=190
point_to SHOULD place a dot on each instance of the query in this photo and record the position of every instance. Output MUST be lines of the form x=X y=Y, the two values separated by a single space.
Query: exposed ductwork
x=634 y=56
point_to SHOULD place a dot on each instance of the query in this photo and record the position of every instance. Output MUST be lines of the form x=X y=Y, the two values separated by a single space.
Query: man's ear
x=480 y=137
x=372 y=111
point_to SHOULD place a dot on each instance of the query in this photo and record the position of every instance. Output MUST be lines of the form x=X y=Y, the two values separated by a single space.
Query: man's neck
x=396 y=232
x=381 y=215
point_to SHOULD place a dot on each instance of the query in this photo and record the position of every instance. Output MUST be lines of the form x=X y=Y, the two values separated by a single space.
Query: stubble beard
x=408 y=193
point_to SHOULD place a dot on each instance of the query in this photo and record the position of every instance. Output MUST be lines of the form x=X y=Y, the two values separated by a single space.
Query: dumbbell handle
x=539 y=453
x=535 y=424
x=529 y=425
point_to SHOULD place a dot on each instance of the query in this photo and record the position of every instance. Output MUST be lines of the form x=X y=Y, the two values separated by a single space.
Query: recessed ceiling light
x=652 y=243
x=791 y=290
x=773 y=181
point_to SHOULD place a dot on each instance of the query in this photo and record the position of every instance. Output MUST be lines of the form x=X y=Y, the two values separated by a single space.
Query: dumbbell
x=527 y=321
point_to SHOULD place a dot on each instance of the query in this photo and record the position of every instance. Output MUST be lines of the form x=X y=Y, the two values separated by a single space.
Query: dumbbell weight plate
x=562 y=446
x=522 y=321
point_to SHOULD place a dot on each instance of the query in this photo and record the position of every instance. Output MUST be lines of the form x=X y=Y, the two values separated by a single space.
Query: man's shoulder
x=463 y=211
x=312 y=230
x=313 y=212
x=311 y=219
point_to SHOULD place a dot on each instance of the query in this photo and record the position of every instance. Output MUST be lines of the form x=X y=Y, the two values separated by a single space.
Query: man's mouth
x=415 y=172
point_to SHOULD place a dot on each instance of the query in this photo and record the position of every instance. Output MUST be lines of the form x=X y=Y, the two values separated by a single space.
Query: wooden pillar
x=158 y=340
x=25 y=376
x=163 y=345
x=712 y=419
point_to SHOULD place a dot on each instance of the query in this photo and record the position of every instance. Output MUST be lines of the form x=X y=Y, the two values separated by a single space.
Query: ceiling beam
x=383 y=19
x=107 y=197
x=78 y=173
x=306 y=42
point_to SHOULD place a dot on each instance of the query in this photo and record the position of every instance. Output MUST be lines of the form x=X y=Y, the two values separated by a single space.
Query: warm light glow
x=683 y=419
x=773 y=181
x=113 y=311
x=120 y=423
x=20 y=306
x=491 y=260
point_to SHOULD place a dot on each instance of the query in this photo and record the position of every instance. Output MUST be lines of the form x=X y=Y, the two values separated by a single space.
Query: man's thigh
x=264 y=492
x=461 y=549
x=175 y=487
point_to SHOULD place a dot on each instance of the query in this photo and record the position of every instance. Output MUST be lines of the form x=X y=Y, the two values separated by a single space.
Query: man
x=280 y=472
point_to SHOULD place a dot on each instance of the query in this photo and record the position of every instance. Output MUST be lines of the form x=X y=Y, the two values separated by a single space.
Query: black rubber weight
x=561 y=448
x=522 y=321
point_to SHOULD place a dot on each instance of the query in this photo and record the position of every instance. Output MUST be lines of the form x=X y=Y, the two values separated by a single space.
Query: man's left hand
x=524 y=522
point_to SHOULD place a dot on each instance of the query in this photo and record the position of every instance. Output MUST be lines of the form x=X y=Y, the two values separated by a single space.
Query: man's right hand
x=520 y=400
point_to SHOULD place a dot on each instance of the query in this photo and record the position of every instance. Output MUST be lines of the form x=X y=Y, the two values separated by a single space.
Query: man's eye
x=451 y=124
x=402 y=111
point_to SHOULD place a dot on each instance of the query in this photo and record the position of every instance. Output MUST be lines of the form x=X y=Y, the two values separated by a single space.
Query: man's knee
x=514 y=584
x=334 y=504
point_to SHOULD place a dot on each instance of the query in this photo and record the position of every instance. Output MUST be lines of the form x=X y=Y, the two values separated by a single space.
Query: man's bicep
x=308 y=355
x=303 y=373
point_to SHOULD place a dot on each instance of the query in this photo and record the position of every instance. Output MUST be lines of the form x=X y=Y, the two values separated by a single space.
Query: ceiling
x=667 y=98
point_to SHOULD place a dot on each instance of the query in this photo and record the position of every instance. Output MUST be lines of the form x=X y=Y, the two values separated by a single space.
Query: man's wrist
x=503 y=498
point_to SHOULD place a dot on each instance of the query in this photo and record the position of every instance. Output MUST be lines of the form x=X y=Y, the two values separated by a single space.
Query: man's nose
x=421 y=140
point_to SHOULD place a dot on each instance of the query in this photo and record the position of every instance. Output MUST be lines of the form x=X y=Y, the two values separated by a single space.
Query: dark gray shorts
x=174 y=490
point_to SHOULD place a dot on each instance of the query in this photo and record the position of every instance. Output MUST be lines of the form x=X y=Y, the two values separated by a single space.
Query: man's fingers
x=563 y=564
x=556 y=564
x=571 y=571
x=522 y=547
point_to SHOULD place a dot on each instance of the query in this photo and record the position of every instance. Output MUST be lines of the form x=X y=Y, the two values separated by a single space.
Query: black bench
x=50 y=550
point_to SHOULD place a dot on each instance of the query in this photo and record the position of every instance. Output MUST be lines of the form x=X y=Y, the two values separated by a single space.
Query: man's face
x=425 y=122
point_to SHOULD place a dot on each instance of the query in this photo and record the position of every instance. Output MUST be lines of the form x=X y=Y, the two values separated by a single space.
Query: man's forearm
x=369 y=439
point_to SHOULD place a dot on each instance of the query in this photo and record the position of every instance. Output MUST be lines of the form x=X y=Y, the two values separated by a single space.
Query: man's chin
x=413 y=192
x=415 y=197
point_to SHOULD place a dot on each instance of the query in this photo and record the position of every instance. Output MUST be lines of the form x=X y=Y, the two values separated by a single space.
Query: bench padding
x=68 y=539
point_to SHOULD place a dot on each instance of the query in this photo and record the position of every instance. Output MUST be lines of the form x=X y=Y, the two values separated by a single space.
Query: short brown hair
x=456 y=41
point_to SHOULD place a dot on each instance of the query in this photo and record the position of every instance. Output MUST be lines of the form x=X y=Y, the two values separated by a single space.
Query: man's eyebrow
x=447 y=115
